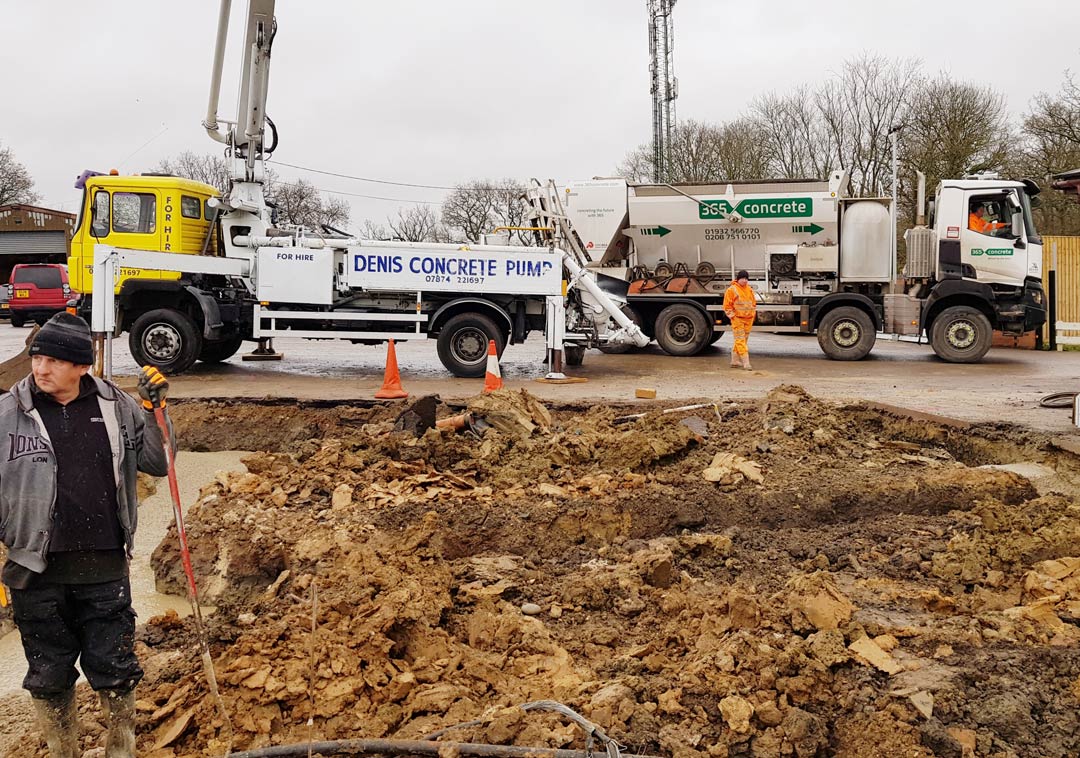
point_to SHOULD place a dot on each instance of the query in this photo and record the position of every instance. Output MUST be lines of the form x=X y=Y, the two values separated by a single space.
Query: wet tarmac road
x=1006 y=386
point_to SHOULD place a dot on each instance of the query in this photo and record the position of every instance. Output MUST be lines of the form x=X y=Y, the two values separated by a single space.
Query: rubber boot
x=59 y=723
x=119 y=708
x=736 y=362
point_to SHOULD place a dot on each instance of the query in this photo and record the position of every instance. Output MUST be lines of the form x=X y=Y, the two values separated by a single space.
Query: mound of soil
x=875 y=593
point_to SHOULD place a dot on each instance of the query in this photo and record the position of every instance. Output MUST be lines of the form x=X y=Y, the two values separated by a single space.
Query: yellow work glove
x=153 y=387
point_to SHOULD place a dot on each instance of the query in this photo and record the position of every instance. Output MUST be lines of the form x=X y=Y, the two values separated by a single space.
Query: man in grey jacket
x=70 y=449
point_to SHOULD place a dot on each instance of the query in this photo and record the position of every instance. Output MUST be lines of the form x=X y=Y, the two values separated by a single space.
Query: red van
x=37 y=291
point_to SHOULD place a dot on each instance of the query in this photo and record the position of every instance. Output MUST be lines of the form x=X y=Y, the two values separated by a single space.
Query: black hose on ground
x=1058 y=400
x=412 y=748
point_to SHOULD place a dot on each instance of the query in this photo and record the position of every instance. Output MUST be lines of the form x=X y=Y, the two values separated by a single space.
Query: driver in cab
x=978 y=222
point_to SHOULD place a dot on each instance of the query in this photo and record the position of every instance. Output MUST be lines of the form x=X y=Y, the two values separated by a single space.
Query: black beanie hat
x=742 y=275
x=66 y=338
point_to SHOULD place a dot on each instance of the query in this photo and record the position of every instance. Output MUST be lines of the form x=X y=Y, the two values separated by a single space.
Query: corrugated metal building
x=29 y=234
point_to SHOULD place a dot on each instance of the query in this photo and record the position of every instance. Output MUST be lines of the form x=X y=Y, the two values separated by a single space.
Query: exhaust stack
x=920 y=202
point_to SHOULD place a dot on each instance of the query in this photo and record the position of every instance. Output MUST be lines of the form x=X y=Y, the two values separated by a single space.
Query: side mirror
x=1018 y=225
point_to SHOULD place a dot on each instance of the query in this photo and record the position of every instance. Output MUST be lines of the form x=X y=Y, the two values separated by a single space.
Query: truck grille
x=921 y=253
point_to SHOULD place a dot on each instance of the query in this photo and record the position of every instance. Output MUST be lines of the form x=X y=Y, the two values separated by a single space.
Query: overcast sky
x=438 y=92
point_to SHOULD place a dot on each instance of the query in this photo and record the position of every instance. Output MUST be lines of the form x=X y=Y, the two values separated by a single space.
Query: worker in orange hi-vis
x=977 y=221
x=740 y=305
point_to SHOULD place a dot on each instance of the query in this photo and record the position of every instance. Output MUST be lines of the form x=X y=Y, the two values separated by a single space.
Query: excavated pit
x=781 y=577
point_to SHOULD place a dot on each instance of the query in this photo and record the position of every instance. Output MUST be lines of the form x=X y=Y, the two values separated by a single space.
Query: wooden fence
x=1062 y=256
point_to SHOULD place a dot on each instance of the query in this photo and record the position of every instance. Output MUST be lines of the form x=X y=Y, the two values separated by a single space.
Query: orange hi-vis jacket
x=739 y=301
x=977 y=224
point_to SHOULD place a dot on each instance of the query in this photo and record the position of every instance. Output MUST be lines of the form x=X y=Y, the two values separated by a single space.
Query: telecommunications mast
x=663 y=84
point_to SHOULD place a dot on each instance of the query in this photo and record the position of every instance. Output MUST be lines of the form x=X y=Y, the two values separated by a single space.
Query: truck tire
x=463 y=344
x=846 y=334
x=216 y=352
x=716 y=337
x=682 y=330
x=961 y=334
x=165 y=339
x=574 y=354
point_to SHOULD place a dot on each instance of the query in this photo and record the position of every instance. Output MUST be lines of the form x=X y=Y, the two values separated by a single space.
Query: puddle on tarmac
x=193 y=470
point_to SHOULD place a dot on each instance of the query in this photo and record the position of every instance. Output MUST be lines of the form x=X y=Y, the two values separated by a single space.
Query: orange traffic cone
x=391 y=386
x=493 y=377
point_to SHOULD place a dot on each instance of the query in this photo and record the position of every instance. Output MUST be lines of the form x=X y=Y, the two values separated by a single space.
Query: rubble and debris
x=418 y=417
x=852 y=602
x=730 y=469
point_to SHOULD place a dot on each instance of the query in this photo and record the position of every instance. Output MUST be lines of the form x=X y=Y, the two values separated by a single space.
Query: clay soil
x=777 y=577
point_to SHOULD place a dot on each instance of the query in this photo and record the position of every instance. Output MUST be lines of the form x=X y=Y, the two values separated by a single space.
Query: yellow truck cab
x=173 y=320
x=146 y=212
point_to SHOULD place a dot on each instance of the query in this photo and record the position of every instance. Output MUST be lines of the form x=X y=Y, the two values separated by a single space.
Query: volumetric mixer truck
x=820 y=260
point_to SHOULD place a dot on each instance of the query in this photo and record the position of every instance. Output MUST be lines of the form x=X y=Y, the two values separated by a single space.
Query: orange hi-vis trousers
x=740 y=330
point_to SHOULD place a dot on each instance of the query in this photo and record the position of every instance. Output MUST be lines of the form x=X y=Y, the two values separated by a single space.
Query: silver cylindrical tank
x=865 y=248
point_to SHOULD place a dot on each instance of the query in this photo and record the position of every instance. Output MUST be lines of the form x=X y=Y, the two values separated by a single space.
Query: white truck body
x=810 y=248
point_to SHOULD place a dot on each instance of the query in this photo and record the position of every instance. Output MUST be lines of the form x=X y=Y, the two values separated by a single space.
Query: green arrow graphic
x=811 y=228
x=655 y=231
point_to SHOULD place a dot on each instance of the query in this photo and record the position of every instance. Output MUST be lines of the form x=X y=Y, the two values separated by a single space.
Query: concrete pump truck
x=191 y=275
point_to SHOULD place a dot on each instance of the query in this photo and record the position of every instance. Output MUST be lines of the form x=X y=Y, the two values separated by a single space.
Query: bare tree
x=300 y=203
x=208 y=169
x=952 y=129
x=16 y=185
x=479 y=206
x=419 y=223
x=372 y=230
x=637 y=166
x=1051 y=132
x=858 y=108
x=742 y=153
x=701 y=152
x=1057 y=117
x=793 y=133
x=693 y=154
x=510 y=209
x=467 y=211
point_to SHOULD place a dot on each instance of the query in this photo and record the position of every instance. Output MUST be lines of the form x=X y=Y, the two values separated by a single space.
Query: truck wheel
x=961 y=334
x=716 y=337
x=846 y=334
x=216 y=352
x=165 y=339
x=574 y=354
x=463 y=344
x=682 y=329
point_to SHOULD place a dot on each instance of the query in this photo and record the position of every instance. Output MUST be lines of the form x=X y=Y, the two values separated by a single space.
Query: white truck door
x=991 y=243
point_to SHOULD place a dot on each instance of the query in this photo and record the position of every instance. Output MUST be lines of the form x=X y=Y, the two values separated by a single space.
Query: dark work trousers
x=94 y=623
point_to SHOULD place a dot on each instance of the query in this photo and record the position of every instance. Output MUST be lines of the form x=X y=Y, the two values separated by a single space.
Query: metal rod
x=680 y=409
x=414 y=748
x=193 y=593
x=108 y=357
